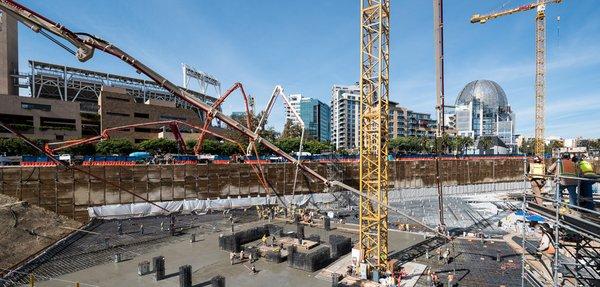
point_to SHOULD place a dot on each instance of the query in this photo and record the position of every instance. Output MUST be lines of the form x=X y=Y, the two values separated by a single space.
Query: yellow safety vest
x=586 y=167
x=537 y=170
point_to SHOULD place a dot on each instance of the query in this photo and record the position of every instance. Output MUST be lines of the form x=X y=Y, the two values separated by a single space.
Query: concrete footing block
x=144 y=268
x=217 y=281
x=159 y=267
x=185 y=276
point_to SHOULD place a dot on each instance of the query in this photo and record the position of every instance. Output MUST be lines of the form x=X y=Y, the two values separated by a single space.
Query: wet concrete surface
x=207 y=261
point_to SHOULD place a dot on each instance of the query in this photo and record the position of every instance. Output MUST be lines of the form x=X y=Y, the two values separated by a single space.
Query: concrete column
x=158 y=263
x=217 y=281
x=9 y=54
x=185 y=276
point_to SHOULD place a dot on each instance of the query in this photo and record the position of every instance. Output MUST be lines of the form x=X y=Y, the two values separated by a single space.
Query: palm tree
x=486 y=143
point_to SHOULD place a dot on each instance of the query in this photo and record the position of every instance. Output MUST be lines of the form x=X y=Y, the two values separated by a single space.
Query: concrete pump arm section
x=86 y=44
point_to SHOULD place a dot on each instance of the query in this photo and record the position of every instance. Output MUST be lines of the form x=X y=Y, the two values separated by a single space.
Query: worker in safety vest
x=586 y=170
x=565 y=167
x=536 y=171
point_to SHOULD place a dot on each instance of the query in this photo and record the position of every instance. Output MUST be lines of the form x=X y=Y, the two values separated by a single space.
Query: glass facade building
x=316 y=116
x=482 y=109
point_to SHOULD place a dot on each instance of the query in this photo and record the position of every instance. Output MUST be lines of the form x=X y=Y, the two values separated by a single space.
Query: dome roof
x=488 y=92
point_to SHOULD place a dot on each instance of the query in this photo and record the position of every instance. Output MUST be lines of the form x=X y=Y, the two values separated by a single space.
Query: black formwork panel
x=340 y=245
x=311 y=261
x=234 y=242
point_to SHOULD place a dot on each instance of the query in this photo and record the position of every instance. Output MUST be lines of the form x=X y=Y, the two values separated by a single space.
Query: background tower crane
x=374 y=110
x=438 y=36
x=540 y=60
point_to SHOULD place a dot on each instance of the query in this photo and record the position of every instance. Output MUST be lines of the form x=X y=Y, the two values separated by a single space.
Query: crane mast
x=540 y=61
x=374 y=110
x=540 y=78
x=438 y=31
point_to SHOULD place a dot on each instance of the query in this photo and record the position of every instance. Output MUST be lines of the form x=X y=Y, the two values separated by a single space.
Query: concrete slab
x=207 y=261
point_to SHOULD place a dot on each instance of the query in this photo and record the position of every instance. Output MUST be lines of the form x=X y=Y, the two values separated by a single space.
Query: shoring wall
x=69 y=192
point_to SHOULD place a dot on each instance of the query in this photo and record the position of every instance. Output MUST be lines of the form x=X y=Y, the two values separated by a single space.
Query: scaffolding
x=573 y=233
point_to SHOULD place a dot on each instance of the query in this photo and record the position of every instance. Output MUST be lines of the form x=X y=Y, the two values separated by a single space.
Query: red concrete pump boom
x=86 y=44
x=105 y=134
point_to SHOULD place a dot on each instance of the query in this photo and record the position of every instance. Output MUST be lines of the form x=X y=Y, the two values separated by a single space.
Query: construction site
x=294 y=220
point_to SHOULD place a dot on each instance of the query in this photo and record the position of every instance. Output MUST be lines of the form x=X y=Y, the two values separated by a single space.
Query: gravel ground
x=34 y=230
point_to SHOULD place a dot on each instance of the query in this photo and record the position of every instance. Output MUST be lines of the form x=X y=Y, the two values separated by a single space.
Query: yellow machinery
x=540 y=60
x=374 y=110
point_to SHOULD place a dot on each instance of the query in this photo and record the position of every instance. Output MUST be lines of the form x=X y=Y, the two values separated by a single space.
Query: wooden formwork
x=69 y=192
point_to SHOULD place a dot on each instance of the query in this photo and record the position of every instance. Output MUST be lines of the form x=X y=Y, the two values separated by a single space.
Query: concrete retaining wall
x=69 y=192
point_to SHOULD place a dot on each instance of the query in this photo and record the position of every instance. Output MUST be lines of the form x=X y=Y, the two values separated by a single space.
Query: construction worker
x=264 y=240
x=566 y=167
x=535 y=173
x=546 y=245
x=586 y=170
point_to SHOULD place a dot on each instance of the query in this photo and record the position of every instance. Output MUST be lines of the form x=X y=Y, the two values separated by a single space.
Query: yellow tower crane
x=540 y=60
x=374 y=110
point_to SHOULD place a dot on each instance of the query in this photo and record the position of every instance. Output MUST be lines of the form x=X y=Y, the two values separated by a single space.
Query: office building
x=345 y=116
x=315 y=114
x=317 y=119
x=482 y=109
x=404 y=122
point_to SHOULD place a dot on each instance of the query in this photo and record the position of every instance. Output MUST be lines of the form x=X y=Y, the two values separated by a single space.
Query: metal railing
x=573 y=232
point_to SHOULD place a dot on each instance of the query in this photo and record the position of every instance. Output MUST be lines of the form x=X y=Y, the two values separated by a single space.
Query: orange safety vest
x=567 y=167
x=537 y=170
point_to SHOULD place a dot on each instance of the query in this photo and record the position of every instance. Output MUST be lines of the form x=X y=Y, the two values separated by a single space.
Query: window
x=31 y=106
x=117 y=114
x=141 y=115
x=57 y=124
x=146 y=130
x=172 y=118
x=20 y=123
x=60 y=137
x=117 y=99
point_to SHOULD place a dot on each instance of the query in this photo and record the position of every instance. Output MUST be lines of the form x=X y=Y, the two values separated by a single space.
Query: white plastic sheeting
x=200 y=205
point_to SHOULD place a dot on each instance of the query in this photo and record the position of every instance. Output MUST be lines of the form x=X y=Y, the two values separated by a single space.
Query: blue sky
x=308 y=46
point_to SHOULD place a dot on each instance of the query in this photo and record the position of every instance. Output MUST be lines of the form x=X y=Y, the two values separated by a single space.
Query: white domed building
x=481 y=110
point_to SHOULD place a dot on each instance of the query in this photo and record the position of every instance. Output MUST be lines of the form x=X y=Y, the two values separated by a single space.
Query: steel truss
x=75 y=84
x=374 y=110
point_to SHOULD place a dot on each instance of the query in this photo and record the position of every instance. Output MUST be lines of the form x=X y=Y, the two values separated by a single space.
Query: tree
x=15 y=146
x=461 y=143
x=291 y=130
x=215 y=147
x=527 y=147
x=289 y=145
x=554 y=144
x=115 y=146
x=425 y=144
x=159 y=146
x=85 y=149
x=317 y=147
x=486 y=143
